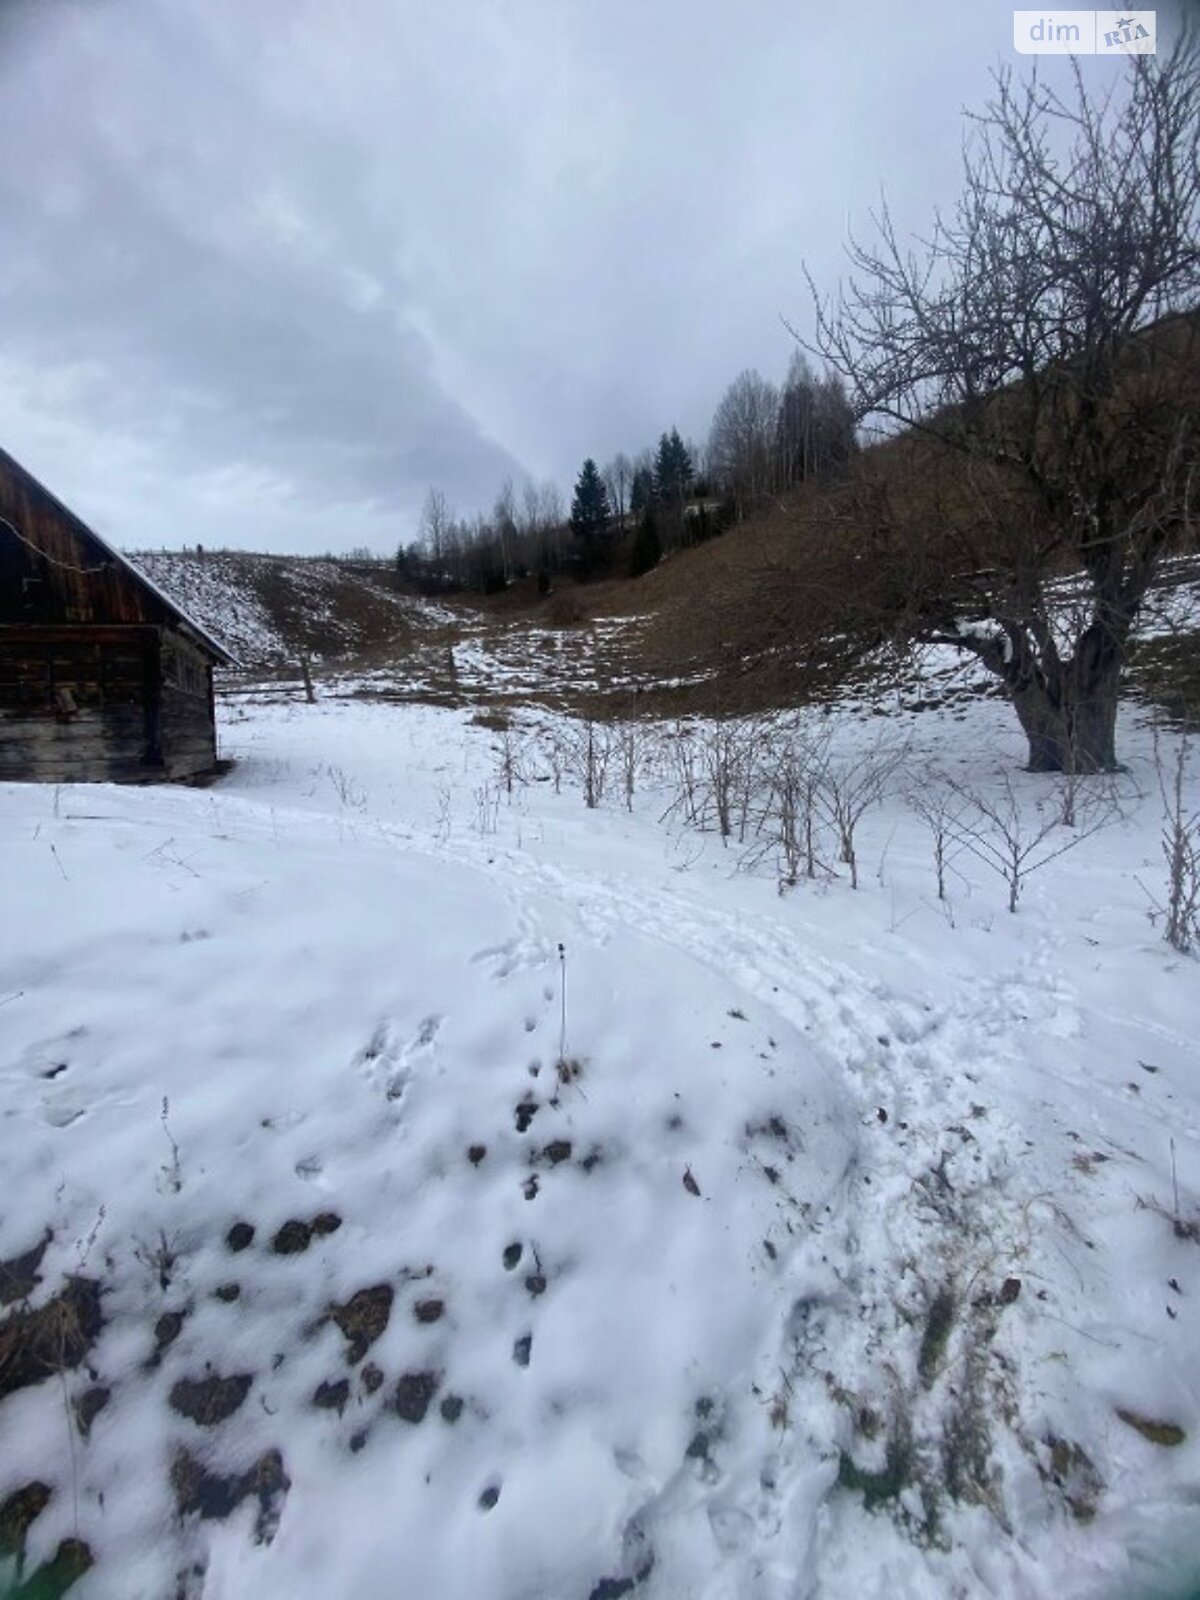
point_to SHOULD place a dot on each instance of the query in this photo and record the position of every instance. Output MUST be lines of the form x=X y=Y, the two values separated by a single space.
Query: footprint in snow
x=61 y=1114
x=389 y=1062
x=732 y=1529
x=519 y=954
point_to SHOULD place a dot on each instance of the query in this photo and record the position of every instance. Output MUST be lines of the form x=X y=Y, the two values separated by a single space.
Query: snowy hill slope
x=620 y=1224
x=268 y=610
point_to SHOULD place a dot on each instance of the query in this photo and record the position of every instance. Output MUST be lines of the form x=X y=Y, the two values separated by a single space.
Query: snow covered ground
x=674 y=1236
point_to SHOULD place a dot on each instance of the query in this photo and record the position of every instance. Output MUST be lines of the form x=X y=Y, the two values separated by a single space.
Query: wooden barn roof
x=88 y=537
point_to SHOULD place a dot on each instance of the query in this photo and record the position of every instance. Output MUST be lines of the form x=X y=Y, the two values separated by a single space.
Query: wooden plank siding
x=76 y=707
x=102 y=678
x=51 y=572
x=186 y=722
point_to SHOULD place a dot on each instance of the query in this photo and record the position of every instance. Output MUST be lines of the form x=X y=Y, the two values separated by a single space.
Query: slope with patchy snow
x=269 y=610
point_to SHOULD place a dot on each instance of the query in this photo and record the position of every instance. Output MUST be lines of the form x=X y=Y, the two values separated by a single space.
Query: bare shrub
x=487 y=809
x=727 y=757
x=714 y=773
x=630 y=751
x=348 y=792
x=510 y=759
x=1180 y=839
x=849 y=789
x=682 y=759
x=553 y=748
x=589 y=750
x=1016 y=841
x=160 y=1257
x=788 y=779
x=941 y=807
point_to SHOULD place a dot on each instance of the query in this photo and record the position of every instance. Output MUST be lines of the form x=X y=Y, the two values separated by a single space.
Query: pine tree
x=647 y=546
x=589 y=507
x=641 y=493
x=673 y=469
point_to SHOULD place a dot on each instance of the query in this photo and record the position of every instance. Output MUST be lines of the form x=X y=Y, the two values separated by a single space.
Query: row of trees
x=665 y=502
x=521 y=534
x=764 y=440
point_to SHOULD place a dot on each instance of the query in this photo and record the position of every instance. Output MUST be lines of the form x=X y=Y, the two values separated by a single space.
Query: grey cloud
x=292 y=263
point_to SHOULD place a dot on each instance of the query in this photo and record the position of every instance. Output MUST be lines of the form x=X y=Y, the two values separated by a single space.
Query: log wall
x=103 y=704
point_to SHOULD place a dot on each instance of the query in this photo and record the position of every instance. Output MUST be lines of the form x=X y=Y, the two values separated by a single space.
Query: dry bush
x=631 y=748
x=1016 y=840
x=850 y=788
x=785 y=821
x=943 y=809
x=715 y=770
x=1180 y=839
x=585 y=751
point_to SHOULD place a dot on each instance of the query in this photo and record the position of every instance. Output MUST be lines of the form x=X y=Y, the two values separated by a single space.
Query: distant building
x=102 y=678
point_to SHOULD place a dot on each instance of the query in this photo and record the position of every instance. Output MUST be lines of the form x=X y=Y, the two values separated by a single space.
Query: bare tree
x=1043 y=348
x=504 y=525
x=618 y=476
x=435 y=524
x=814 y=430
x=541 y=522
x=741 y=445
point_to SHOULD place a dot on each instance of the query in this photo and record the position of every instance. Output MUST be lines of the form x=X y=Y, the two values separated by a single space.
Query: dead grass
x=363 y=1318
x=1167 y=1434
x=54 y=1338
x=211 y=1495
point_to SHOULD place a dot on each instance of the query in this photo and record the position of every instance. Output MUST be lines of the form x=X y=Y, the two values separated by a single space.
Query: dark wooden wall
x=78 y=704
x=118 y=705
x=187 y=721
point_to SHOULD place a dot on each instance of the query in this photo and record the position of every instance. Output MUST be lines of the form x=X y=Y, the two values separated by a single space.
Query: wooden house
x=102 y=677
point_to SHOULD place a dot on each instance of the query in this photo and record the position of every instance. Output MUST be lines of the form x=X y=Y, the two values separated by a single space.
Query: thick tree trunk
x=1072 y=726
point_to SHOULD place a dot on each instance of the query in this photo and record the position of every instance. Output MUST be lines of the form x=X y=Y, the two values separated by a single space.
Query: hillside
x=270 y=610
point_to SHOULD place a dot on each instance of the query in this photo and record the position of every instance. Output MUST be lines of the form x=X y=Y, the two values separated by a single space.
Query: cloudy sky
x=271 y=268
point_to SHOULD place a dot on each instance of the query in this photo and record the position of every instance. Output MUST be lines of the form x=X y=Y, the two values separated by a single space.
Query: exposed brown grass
x=53 y=1338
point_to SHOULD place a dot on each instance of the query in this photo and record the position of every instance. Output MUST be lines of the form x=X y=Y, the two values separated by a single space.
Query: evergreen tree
x=647 y=546
x=589 y=507
x=641 y=492
x=673 y=469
